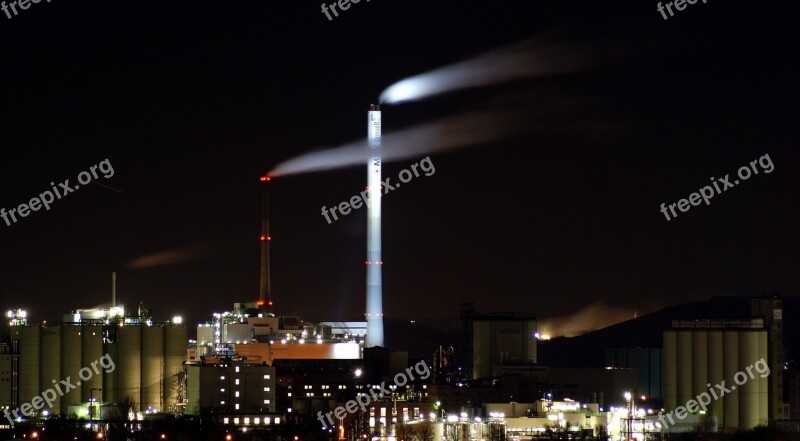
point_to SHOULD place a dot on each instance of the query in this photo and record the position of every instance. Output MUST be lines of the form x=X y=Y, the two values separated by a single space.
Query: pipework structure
x=374 y=313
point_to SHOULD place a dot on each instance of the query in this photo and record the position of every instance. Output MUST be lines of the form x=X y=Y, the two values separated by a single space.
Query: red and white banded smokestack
x=265 y=288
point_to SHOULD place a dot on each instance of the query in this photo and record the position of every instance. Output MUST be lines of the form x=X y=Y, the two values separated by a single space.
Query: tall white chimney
x=374 y=312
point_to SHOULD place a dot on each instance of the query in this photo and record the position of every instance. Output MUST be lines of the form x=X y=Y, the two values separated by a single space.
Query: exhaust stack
x=374 y=262
x=265 y=289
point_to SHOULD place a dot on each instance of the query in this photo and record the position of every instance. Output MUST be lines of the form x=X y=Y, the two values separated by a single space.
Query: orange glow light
x=270 y=303
x=263 y=238
x=260 y=303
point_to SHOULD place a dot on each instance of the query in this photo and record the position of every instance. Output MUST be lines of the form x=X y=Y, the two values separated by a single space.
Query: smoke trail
x=449 y=133
x=590 y=318
x=169 y=257
x=527 y=59
x=503 y=119
x=498 y=122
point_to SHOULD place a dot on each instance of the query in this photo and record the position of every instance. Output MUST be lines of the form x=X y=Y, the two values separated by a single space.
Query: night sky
x=192 y=101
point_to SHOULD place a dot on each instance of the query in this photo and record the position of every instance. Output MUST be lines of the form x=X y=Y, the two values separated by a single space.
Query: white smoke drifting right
x=590 y=318
x=528 y=59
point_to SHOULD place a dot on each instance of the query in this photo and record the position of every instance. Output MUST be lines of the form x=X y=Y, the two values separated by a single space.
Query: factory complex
x=250 y=373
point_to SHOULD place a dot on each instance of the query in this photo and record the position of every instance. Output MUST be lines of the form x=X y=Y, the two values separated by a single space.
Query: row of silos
x=143 y=363
x=696 y=360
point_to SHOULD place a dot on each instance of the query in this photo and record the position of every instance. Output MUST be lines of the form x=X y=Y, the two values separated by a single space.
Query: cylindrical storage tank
x=699 y=362
x=51 y=365
x=748 y=390
x=71 y=350
x=129 y=366
x=763 y=382
x=91 y=374
x=327 y=332
x=175 y=342
x=152 y=366
x=670 y=369
x=684 y=367
x=110 y=374
x=716 y=372
x=730 y=343
x=30 y=345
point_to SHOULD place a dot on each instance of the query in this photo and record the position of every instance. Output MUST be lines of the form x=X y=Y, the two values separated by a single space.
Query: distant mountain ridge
x=588 y=350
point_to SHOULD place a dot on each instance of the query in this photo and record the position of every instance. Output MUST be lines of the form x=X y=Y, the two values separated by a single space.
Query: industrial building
x=770 y=308
x=646 y=361
x=501 y=343
x=699 y=354
x=147 y=359
x=230 y=386
x=260 y=336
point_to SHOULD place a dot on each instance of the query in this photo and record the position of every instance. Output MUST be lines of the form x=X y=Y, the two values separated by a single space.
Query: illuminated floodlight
x=358 y=372
x=177 y=320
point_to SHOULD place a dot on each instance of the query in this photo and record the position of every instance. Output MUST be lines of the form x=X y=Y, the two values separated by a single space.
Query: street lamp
x=629 y=400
